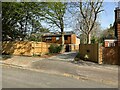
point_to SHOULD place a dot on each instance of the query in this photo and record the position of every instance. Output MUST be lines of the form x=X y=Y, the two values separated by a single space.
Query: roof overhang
x=112 y=40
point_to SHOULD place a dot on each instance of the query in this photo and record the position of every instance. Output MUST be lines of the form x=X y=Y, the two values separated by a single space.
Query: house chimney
x=117 y=23
x=119 y=4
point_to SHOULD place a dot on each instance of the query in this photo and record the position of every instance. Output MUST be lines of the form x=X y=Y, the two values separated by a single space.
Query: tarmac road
x=21 y=78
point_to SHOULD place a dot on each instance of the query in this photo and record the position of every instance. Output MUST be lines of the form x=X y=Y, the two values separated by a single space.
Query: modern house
x=71 y=40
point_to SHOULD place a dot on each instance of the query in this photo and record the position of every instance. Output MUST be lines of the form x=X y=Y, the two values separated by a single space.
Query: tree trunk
x=88 y=38
x=63 y=41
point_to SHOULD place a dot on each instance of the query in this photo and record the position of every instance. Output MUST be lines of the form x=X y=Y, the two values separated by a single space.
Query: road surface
x=20 y=78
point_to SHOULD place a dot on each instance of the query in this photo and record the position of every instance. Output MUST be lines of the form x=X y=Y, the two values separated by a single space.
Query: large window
x=57 y=38
x=111 y=44
x=66 y=38
x=48 y=38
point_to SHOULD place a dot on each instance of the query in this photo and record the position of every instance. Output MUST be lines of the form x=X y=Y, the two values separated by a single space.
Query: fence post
x=100 y=55
x=32 y=51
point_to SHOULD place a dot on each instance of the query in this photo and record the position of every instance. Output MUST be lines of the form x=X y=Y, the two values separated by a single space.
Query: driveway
x=67 y=56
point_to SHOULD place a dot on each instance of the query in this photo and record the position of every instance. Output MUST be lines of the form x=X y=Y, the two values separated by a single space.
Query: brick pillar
x=100 y=58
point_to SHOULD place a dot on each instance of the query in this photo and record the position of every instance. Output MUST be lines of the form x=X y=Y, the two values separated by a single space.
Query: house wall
x=118 y=31
x=71 y=39
x=117 y=24
x=77 y=41
x=107 y=43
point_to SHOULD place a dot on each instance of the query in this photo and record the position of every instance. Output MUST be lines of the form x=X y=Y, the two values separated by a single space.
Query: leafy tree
x=54 y=14
x=18 y=19
x=108 y=33
x=37 y=36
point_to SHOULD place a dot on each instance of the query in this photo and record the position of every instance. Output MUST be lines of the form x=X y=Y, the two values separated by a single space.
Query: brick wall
x=106 y=43
x=118 y=31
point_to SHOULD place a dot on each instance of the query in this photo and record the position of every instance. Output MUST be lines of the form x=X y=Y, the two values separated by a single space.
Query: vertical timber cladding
x=25 y=48
x=91 y=50
x=73 y=39
x=111 y=55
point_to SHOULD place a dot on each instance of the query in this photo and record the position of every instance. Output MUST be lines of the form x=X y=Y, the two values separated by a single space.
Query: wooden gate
x=111 y=55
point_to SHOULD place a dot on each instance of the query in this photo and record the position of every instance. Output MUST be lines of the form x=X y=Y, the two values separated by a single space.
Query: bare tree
x=88 y=14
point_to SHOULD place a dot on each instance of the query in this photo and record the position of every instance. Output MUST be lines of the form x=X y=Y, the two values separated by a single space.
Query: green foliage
x=37 y=55
x=94 y=40
x=77 y=58
x=107 y=34
x=55 y=48
x=55 y=15
x=21 y=19
x=37 y=36
x=18 y=18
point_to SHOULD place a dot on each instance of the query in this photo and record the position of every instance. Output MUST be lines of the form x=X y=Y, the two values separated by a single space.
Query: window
x=66 y=37
x=48 y=38
x=111 y=44
x=57 y=38
x=118 y=15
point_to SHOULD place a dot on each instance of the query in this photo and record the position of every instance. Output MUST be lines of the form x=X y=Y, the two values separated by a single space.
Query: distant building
x=110 y=42
x=69 y=37
x=71 y=40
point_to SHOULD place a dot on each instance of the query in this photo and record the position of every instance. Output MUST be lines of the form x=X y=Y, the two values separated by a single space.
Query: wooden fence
x=101 y=55
x=111 y=55
x=30 y=48
x=25 y=48
x=89 y=51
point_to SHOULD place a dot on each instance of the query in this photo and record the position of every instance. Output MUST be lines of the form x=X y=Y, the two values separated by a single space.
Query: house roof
x=110 y=40
x=57 y=33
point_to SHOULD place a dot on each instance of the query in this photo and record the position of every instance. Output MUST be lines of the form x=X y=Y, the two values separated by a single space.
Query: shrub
x=54 y=48
x=77 y=58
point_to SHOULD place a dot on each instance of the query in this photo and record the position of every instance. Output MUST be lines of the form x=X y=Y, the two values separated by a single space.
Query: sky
x=107 y=17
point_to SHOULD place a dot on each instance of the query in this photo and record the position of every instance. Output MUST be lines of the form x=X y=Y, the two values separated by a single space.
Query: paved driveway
x=67 y=56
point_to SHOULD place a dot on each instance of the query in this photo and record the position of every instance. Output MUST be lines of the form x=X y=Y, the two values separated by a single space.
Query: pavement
x=63 y=64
